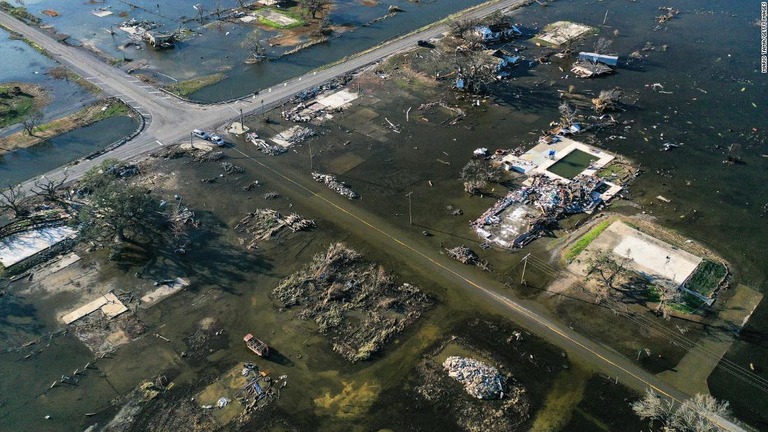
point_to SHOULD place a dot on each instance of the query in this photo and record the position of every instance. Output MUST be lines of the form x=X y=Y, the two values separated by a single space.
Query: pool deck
x=537 y=159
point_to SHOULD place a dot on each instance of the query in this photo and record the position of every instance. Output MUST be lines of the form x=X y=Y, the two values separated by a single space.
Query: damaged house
x=497 y=32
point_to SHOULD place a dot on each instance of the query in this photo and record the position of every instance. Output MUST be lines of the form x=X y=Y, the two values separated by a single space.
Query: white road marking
x=159 y=143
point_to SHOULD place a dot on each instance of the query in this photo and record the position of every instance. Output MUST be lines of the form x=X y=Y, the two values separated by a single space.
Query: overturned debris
x=264 y=224
x=356 y=304
x=588 y=69
x=336 y=185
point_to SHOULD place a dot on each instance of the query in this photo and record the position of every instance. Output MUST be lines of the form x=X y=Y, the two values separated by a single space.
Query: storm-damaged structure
x=562 y=181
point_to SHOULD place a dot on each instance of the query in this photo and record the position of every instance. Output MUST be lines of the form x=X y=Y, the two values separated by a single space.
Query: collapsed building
x=553 y=190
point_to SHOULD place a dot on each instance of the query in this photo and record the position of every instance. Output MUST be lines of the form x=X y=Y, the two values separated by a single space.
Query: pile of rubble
x=480 y=380
x=263 y=146
x=299 y=134
x=338 y=186
x=463 y=254
x=356 y=304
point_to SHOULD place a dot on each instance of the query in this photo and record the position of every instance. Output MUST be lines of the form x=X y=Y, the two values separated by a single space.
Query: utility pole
x=410 y=208
x=191 y=137
x=262 y=108
x=310 y=157
x=242 y=125
x=525 y=264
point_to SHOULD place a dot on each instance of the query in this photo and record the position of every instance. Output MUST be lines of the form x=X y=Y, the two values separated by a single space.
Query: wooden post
x=525 y=264
x=410 y=208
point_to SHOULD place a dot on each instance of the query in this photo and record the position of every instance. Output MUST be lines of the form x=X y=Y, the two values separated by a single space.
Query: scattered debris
x=670 y=13
x=338 y=186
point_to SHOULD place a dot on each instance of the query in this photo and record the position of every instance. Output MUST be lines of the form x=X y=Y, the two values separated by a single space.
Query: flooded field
x=22 y=63
x=412 y=176
x=214 y=46
x=23 y=164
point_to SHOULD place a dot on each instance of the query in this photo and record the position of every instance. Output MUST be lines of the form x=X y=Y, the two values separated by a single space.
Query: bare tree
x=32 y=122
x=567 y=114
x=668 y=293
x=49 y=189
x=478 y=173
x=200 y=12
x=255 y=47
x=607 y=100
x=602 y=45
x=606 y=268
x=13 y=199
x=700 y=413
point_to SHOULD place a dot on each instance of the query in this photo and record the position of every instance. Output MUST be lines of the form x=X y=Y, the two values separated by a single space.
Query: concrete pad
x=236 y=128
x=647 y=255
x=560 y=32
x=163 y=291
x=20 y=246
x=274 y=16
x=655 y=258
x=338 y=99
x=109 y=304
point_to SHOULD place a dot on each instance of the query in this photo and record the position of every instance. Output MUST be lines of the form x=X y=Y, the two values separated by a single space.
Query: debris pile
x=299 y=134
x=264 y=224
x=231 y=168
x=553 y=198
x=263 y=146
x=338 y=186
x=463 y=254
x=138 y=28
x=480 y=380
x=356 y=304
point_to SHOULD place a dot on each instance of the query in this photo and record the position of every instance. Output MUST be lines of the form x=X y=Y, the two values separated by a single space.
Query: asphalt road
x=169 y=120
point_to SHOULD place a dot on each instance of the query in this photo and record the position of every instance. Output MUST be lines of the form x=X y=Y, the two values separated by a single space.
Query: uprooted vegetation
x=265 y=224
x=356 y=304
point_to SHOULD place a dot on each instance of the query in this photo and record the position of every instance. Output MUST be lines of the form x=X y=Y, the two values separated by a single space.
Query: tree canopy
x=115 y=210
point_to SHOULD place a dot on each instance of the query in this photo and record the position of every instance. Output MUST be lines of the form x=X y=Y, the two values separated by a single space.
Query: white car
x=219 y=141
x=201 y=134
